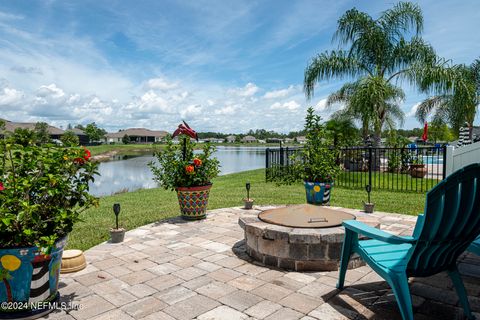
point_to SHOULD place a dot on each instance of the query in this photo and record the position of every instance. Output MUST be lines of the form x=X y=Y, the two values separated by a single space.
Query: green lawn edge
x=142 y=207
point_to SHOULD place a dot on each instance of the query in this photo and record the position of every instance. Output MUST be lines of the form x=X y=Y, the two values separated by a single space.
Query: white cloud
x=282 y=93
x=413 y=110
x=321 y=105
x=249 y=90
x=50 y=91
x=191 y=111
x=10 y=96
x=160 y=84
x=290 y=106
x=228 y=110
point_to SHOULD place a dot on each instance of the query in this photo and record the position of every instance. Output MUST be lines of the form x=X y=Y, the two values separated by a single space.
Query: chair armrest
x=374 y=233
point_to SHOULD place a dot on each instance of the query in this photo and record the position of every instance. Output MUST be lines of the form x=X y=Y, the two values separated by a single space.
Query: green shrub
x=43 y=190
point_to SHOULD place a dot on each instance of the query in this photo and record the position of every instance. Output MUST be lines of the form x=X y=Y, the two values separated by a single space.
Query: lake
x=129 y=173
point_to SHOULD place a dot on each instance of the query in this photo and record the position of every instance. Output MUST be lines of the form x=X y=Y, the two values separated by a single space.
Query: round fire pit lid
x=305 y=216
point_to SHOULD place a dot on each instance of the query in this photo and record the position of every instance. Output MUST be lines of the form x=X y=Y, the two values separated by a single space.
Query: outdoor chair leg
x=399 y=284
x=345 y=258
x=462 y=293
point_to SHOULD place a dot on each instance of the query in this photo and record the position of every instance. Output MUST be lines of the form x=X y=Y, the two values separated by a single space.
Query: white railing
x=457 y=158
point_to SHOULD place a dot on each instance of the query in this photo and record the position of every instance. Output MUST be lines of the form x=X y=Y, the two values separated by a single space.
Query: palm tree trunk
x=470 y=131
x=9 y=290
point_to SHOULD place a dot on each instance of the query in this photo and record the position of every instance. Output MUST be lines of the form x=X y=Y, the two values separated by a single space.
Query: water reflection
x=129 y=173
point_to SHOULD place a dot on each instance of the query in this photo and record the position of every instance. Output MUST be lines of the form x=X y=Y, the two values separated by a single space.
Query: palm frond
x=352 y=25
x=435 y=105
x=328 y=65
x=342 y=95
x=402 y=18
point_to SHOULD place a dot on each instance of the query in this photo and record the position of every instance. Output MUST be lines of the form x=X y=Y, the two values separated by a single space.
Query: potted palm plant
x=418 y=168
x=43 y=190
x=189 y=173
x=315 y=164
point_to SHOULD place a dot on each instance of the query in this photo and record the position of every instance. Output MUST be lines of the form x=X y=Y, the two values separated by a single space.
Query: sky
x=221 y=65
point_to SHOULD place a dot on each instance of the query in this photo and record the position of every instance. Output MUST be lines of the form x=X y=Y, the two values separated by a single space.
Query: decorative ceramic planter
x=29 y=281
x=418 y=170
x=248 y=203
x=318 y=193
x=193 y=201
x=117 y=235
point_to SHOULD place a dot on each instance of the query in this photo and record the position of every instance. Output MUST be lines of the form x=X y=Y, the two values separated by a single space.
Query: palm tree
x=457 y=104
x=380 y=53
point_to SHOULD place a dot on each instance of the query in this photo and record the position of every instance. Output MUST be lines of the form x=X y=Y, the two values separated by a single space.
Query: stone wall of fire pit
x=299 y=249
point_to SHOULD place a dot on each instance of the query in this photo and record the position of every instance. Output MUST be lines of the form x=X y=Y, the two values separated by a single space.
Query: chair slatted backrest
x=451 y=223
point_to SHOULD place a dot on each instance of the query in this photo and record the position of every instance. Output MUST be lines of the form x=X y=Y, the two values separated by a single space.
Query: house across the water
x=249 y=139
x=136 y=135
x=10 y=126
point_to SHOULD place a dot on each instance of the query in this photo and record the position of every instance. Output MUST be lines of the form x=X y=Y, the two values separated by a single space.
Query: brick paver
x=200 y=270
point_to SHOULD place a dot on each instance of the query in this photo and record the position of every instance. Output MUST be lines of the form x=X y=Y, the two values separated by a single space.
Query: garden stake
x=116 y=210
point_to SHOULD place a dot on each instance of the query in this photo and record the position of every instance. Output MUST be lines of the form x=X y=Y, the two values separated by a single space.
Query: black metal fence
x=402 y=169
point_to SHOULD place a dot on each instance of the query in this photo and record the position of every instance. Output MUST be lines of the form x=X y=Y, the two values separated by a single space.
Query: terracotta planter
x=318 y=193
x=30 y=280
x=418 y=170
x=193 y=201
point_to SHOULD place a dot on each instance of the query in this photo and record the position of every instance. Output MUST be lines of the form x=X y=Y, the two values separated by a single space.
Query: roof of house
x=78 y=132
x=11 y=126
x=231 y=137
x=301 y=138
x=249 y=138
x=140 y=132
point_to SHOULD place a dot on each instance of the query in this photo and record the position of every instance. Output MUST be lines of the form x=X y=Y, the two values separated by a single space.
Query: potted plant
x=189 y=173
x=248 y=201
x=43 y=190
x=117 y=234
x=315 y=164
x=418 y=168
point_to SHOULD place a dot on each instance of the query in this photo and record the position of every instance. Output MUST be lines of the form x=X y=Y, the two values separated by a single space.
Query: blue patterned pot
x=29 y=280
x=318 y=193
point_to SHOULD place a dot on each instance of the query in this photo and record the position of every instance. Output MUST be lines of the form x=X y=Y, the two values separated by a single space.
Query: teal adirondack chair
x=450 y=223
x=475 y=246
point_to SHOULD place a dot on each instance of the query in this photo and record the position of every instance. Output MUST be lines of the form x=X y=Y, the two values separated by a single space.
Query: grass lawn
x=145 y=206
x=387 y=180
x=121 y=148
x=131 y=148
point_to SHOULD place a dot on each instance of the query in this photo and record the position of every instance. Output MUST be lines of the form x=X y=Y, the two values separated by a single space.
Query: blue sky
x=224 y=66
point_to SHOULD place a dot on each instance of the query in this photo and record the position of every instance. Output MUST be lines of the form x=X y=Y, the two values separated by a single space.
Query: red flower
x=197 y=162
x=189 y=169
x=87 y=154
x=1 y=186
x=79 y=160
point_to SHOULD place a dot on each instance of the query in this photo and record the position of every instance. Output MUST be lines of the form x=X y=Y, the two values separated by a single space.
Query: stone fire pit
x=300 y=248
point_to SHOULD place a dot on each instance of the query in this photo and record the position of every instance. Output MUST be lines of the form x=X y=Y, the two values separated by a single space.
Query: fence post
x=267 y=162
x=448 y=161
x=370 y=166
x=281 y=157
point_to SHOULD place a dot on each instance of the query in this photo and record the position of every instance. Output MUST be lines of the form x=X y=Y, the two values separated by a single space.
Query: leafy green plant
x=418 y=159
x=179 y=166
x=41 y=133
x=126 y=139
x=43 y=190
x=317 y=160
x=70 y=139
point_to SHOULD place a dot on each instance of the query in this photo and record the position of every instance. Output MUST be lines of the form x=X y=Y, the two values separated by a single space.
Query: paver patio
x=175 y=269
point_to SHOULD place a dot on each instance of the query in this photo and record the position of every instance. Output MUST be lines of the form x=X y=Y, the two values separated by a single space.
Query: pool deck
x=175 y=269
